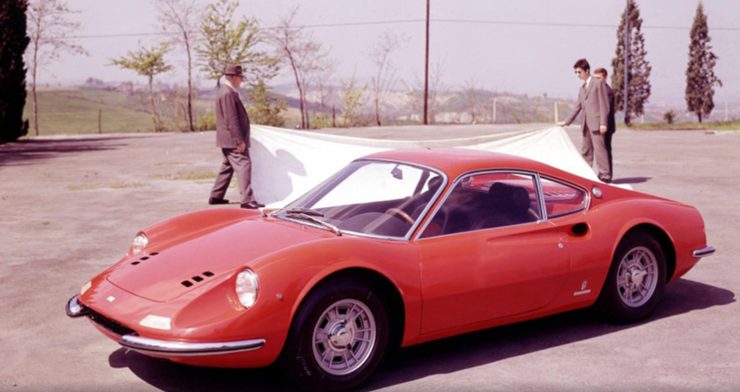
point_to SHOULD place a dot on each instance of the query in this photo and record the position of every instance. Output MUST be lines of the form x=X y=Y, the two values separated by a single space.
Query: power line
x=409 y=21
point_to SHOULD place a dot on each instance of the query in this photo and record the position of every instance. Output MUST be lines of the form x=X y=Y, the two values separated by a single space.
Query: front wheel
x=338 y=337
x=636 y=279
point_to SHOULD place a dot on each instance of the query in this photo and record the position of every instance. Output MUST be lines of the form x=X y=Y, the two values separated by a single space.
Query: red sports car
x=396 y=249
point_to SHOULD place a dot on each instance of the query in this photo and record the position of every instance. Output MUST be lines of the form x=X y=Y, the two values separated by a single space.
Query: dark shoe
x=217 y=201
x=605 y=180
x=252 y=205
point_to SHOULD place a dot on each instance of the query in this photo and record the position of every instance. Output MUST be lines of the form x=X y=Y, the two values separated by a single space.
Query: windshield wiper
x=307 y=214
x=306 y=211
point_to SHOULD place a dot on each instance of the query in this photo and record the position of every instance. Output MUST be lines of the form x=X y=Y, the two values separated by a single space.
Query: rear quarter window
x=561 y=199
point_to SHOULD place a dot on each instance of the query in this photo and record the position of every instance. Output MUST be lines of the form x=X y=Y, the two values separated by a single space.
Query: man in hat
x=232 y=136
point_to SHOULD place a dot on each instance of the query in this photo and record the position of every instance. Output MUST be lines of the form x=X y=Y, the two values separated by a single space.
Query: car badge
x=584 y=290
x=110 y=298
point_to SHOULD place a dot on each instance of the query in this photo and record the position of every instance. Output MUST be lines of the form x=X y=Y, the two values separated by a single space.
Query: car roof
x=455 y=161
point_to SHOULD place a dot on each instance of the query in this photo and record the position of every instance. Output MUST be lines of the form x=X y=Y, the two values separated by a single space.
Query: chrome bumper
x=170 y=348
x=74 y=308
x=183 y=349
x=703 y=252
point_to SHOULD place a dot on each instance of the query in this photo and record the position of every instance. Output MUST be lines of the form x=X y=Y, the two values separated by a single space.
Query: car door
x=487 y=253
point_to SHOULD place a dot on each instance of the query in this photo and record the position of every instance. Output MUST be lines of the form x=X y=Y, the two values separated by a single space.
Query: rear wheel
x=636 y=279
x=338 y=337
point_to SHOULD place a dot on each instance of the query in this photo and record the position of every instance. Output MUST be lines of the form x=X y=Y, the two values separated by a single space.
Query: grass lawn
x=690 y=126
x=76 y=112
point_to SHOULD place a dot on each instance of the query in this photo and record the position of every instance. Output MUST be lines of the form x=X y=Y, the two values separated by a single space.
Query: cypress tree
x=13 y=43
x=639 y=68
x=700 y=77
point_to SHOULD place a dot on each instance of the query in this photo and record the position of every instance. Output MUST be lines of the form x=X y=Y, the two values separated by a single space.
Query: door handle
x=579 y=229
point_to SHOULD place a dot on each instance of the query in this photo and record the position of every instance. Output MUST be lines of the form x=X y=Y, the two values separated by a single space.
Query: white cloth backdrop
x=287 y=163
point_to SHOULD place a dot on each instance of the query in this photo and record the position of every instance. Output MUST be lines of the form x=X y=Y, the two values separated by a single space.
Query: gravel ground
x=70 y=206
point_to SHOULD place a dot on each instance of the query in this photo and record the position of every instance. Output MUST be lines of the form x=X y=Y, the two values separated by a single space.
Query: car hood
x=183 y=265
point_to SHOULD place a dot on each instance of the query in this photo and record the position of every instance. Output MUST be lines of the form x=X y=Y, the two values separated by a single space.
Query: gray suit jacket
x=611 y=125
x=232 y=122
x=594 y=102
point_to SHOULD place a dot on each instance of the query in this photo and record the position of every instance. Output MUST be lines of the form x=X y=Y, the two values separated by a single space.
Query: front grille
x=111 y=325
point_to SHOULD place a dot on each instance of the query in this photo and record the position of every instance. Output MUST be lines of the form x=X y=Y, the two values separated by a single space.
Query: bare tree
x=324 y=89
x=472 y=94
x=353 y=97
x=304 y=55
x=181 y=18
x=325 y=94
x=385 y=76
x=415 y=94
x=50 y=30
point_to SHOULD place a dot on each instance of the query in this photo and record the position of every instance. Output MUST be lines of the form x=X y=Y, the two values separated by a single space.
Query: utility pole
x=493 y=118
x=426 y=72
x=626 y=60
x=555 y=111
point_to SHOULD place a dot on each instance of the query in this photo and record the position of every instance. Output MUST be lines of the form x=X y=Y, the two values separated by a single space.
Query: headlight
x=140 y=242
x=247 y=287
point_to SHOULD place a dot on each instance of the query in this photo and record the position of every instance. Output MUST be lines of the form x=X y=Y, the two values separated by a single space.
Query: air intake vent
x=144 y=258
x=196 y=279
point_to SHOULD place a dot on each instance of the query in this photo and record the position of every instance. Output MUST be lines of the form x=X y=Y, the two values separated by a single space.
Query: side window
x=561 y=199
x=487 y=200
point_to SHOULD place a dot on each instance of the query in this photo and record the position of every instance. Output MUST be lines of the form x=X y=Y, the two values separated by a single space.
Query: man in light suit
x=611 y=125
x=232 y=136
x=593 y=102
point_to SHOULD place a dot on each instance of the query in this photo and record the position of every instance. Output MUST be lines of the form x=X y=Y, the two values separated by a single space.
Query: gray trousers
x=242 y=165
x=598 y=146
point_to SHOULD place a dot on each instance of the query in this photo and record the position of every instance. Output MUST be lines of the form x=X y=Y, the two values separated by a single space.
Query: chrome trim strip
x=74 y=308
x=541 y=198
x=703 y=252
x=184 y=349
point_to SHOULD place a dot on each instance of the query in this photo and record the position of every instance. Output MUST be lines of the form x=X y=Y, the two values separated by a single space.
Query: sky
x=521 y=47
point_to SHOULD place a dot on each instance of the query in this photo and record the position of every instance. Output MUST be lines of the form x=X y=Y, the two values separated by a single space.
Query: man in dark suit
x=232 y=135
x=611 y=125
x=593 y=101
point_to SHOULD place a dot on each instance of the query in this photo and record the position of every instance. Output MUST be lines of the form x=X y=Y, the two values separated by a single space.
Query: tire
x=338 y=337
x=636 y=279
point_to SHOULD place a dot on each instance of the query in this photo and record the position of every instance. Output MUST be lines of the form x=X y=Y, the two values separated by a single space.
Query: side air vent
x=196 y=279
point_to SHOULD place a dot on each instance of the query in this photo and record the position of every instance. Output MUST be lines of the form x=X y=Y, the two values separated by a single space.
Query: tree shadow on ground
x=439 y=357
x=26 y=152
x=631 y=180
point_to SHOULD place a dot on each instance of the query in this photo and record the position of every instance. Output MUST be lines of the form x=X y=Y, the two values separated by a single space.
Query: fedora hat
x=234 y=70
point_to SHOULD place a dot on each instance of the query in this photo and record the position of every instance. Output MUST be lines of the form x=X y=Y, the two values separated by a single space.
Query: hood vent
x=144 y=258
x=196 y=279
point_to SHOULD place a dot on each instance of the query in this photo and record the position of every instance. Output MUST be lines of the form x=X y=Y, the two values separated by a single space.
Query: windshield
x=369 y=197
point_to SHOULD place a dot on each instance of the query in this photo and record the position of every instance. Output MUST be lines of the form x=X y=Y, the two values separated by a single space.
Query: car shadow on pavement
x=27 y=151
x=439 y=357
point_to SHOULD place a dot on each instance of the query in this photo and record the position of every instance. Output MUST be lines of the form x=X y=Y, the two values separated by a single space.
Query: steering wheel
x=401 y=213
